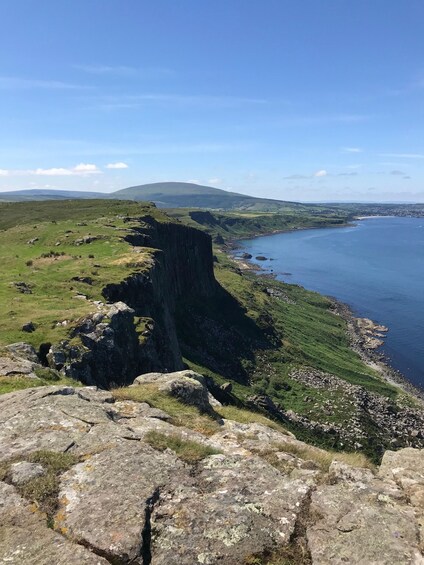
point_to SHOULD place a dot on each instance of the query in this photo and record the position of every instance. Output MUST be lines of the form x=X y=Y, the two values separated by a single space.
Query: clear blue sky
x=300 y=99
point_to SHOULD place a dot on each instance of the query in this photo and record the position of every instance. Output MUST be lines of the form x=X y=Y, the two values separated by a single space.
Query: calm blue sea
x=377 y=267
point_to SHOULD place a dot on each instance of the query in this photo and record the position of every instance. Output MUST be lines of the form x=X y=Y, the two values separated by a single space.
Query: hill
x=170 y=195
x=47 y=194
x=185 y=194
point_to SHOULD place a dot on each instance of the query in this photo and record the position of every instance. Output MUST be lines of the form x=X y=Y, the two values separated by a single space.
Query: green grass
x=258 y=340
x=189 y=451
x=241 y=224
x=48 y=268
x=12 y=384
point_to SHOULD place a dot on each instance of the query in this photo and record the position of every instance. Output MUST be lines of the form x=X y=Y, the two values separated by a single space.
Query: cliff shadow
x=217 y=333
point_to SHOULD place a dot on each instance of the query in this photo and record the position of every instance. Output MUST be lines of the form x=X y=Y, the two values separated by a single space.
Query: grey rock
x=24 y=351
x=238 y=508
x=187 y=386
x=23 y=471
x=25 y=538
x=13 y=366
x=362 y=523
x=108 y=512
x=132 y=503
x=340 y=472
x=227 y=387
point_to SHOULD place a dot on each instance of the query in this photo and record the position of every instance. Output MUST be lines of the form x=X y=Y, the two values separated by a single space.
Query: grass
x=189 y=451
x=49 y=264
x=320 y=457
x=43 y=491
x=181 y=414
x=12 y=384
x=258 y=340
x=248 y=417
x=241 y=224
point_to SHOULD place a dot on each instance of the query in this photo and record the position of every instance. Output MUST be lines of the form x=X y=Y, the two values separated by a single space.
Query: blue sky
x=300 y=100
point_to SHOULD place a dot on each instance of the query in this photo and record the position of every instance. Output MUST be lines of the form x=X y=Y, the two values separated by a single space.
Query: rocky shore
x=362 y=332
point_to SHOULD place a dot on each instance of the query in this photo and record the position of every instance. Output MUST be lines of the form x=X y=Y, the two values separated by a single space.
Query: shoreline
x=374 y=358
x=233 y=244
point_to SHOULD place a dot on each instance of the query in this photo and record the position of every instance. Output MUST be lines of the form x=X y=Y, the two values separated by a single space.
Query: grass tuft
x=323 y=459
x=187 y=450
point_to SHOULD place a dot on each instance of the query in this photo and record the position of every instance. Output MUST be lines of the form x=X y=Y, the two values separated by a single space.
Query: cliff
x=89 y=476
x=112 y=346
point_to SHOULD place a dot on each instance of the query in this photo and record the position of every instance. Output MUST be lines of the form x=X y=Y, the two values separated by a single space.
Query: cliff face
x=117 y=346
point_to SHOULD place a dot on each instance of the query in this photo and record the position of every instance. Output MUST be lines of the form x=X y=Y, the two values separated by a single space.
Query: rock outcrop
x=256 y=495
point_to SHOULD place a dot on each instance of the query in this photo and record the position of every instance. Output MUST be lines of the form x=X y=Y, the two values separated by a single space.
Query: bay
x=375 y=266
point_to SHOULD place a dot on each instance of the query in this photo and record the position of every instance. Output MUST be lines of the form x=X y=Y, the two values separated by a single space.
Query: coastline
x=372 y=357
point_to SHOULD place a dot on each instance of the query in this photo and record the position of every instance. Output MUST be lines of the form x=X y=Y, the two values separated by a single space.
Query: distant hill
x=166 y=195
x=190 y=195
x=186 y=194
x=47 y=194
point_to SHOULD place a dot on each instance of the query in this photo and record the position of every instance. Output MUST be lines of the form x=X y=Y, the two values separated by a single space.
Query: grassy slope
x=258 y=345
x=237 y=225
x=53 y=297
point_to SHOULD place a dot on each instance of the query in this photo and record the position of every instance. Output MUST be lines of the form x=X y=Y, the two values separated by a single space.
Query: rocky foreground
x=119 y=487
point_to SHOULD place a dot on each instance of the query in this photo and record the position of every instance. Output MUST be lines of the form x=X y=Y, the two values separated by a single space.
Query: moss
x=187 y=450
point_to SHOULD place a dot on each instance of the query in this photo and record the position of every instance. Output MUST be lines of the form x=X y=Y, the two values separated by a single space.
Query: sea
x=376 y=266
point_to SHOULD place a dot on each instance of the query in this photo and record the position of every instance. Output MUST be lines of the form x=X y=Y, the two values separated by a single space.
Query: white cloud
x=296 y=177
x=85 y=168
x=215 y=181
x=321 y=173
x=81 y=169
x=119 y=165
x=352 y=150
x=4 y=173
x=54 y=172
